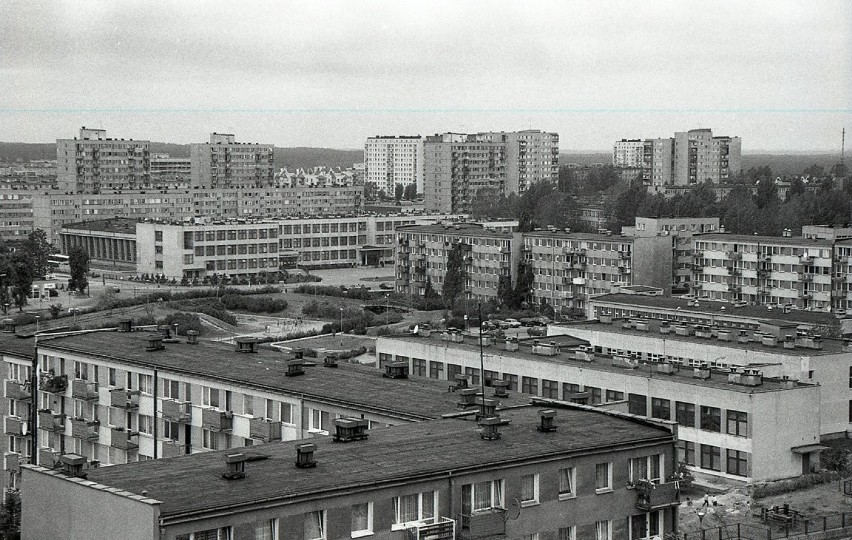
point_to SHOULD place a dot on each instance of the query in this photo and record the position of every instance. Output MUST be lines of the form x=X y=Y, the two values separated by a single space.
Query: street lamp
x=37 y=319
x=387 y=307
x=341 y=324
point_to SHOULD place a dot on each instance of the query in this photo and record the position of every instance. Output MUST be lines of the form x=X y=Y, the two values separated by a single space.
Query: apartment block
x=532 y=157
x=225 y=163
x=93 y=161
x=764 y=270
x=524 y=473
x=747 y=425
x=392 y=160
x=16 y=211
x=680 y=231
x=423 y=251
x=457 y=166
x=658 y=163
x=569 y=268
x=17 y=406
x=167 y=169
x=841 y=278
x=628 y=153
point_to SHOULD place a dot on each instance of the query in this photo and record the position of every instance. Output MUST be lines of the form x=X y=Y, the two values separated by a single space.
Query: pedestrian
x=715 y=501
x=689 y=502
x=706 y=502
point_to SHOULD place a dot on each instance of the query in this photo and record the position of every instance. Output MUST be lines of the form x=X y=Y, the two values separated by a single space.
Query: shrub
x=214 y=308
x=794 y=484
x=254 y=304
x=185 y=321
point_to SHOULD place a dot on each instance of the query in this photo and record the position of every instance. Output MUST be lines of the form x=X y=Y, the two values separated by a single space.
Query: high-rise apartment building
x=224 y=163
x=391 y=160
x=92 y=162
x=532 y=156
x=689 y=158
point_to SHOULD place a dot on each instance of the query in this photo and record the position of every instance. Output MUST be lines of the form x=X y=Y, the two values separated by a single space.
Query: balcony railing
x=17 y=390
x=85 y=390
x=13 y=462
x=482 y=524
x=121 y=439
x=216 y=420
x=51 y=421
x=176 y=411
x=265 y=430
x=439 y=528
x=124 y=399
x=55 y=384
x=85 y=429
x=174 y=449
x=14 y=426
x=651 y=497
x=49 y=458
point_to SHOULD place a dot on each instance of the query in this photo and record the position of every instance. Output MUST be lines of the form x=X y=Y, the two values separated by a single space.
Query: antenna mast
x=843 y=147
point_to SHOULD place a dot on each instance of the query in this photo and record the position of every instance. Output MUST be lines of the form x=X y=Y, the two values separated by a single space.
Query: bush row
x=805 y=481
x=254 y=304
x=110 y=302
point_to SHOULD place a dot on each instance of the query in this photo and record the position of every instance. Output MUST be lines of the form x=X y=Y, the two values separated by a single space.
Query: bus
x=59 y=263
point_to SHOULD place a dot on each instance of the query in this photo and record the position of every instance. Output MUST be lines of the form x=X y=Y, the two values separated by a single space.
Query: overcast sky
x=314 y=73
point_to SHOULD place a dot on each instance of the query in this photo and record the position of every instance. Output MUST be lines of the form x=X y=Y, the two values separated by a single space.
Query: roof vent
x=192 y=337
x=665 y=327
x=298 y=353
x=236 y=466
x=723 y=335
x=396 y=370
x=666 y=368
x=743 y=337
x=295 y=367
x=751 y=377
x=246 y=345
x=155 y=342
x=350 y=429
x=787 y=383
x=701 y=372
x=500 y=388
x=125 y=325
x=467 y=398
x=9 y=326
x=511 y=344
x=548 y=421
x=462 y=381
x=72 y=465
x=305 y=456
x=487 y=407
x=789 y=342
x=735 y=377
x=605 y=318
x=490 y=427
x=769 y=340
x=330 y=360
x=165 y=331
x=548 y=349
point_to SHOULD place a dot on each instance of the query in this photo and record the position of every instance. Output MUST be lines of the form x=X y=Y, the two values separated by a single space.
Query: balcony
x=124 y=399
x=216 y=420
x=439 y=528
x=735 y=255
x=651 y=497
x=806 y=277
x=85 y=429
x=174 y=449
x=85 y=390
x=51 y=421
x=578 y=281
x=54 y=384
x=265 y=430
x=482 y=524
x=176 y=411
x=15 y=426
x=47 y=457
x=13 y=462
x=17 y=390
x=121 y=439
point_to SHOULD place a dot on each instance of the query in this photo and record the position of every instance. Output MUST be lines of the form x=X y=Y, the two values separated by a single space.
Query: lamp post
x=37 y=318
x=341 y=320
x=387 y=307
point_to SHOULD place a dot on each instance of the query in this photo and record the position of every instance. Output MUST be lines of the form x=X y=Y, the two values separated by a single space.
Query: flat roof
x=17 y=345
x=114 y=225
x=594 y=237
x=194 y=483
x=750 y=239
x=568 y=344
x=472 y=229
x=710 y=307
x=352 y=385
x=830 y=346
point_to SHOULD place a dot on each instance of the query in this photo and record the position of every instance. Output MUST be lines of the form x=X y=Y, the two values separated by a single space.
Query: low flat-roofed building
x=596 y=475
x=110 y=242
x=751 y=427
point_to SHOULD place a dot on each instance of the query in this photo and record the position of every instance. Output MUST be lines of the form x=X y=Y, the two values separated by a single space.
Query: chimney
x=246 y=345
x=165 y=331
x=500 y=388
x=305 y=456
x=487 y=407
x=512 y=344
x=72 y=465
x=192 y=337
x=462 y=381
x=396 y=370
x=787 y=382
x=125 y=325
x=295 y=367
x=350 y=429
x=330 y=360
x=701 y=372
x=548 y=421
x=467 y=398
x=9 y=326
x=155 y=342
x=789 y=342
x=236 y=466
x=490 y=427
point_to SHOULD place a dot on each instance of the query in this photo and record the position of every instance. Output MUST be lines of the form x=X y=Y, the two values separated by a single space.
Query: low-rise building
x=746 y=425
x=531 y=472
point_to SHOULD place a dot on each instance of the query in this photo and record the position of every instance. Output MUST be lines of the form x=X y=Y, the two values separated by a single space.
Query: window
x=146 y=424
x=414 y=507
x=646 y=468
x=418 y=367
x=112 y=377
x=209 y=439
x=319 y=419
x=210 y=396
x=637 y=404
x=81 y=370
x=603 y=530
x=315 y=525
x=362 y=519
x=482 y=496
x=222 y=533
x=146 y=384
x=435 y=369
x=603 y=477
x=529 y=385
x=567 y=533
x=711 y=418
x=685 y=414
x=512 y=380
x=612 y=395
x=594 y=395
x=171 y=430
x=171 y=389
x=549 y=389
x=711 y=457
x=686 y=452
x=567 y=481
x=529 y=489
x=737 y=463
x=661 y=408
x=738 y=423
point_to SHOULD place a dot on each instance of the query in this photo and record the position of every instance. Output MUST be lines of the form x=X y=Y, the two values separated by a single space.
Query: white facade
x=628 y=153
x=391 y=160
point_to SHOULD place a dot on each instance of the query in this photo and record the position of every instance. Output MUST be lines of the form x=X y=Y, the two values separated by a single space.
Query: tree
x=78 y=260
x=523 y=285
x=10 y=520
x=410 y=192
x=454 y=279
x=398 y=191
x=22 y=278
x=55 y=310
x=40 y=251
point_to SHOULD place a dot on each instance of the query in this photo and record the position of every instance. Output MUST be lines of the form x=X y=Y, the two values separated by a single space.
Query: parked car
x=529 y=321
x=537 y=331
x=501 y=324
x=487 y=326
x=543 y=321
x=513 y=323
